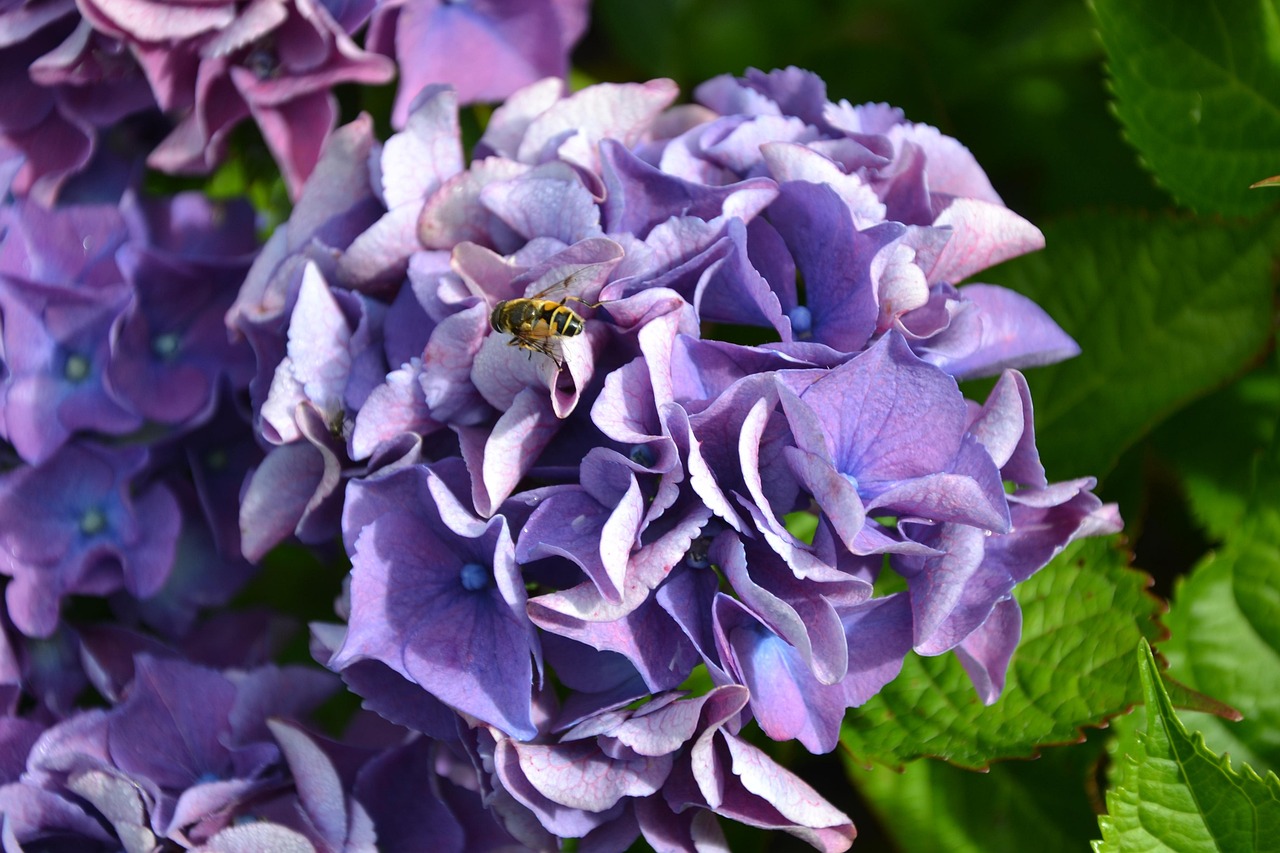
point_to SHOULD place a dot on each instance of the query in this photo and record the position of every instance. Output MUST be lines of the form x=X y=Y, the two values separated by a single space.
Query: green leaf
x=1165 y=309
x=1040 y=805
x=1074 y=667
x=1223 y=623
x=1197 y=88
x=1178 y=795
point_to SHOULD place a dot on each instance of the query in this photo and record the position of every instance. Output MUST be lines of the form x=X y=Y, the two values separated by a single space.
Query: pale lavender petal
x=549 y=201
x=573 y=127
x=788 y=161
x=953 y=170
x=986 y=652
x=1005 y=425
x=277 y=495
x=419 y=159
x=513 y=116
x=985 y=234
x=394 y=408
x=1012 y=331
x=454 y=214
x=805 y=814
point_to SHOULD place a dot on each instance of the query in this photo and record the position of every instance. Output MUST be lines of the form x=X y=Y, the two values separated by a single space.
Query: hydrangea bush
x=592 y=576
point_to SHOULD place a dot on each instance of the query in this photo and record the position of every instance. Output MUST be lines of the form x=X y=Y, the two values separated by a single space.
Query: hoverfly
x=535 y=322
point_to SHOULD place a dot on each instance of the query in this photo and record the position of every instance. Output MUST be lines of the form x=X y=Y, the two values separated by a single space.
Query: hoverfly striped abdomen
x=534 y=323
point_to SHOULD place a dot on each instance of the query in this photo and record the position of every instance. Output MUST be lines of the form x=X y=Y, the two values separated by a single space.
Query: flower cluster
x=189 y=756
x=116 y=399
x=550 y=540
x=177 y=76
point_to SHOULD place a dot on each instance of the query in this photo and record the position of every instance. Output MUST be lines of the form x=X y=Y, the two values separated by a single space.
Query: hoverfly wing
x=562 y=286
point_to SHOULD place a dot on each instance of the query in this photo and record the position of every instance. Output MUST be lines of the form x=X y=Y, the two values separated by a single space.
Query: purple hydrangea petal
x=394 y=408
x=797 y=610
x=17 y=736
x=511 y=118
x=1045 y=520
x=256 y=837
x=82 y=531
x=889 y=416
x=562 y=820
x=170 y=350
x=277 y=496
x=735 y=780
x=786 y=698
x=414 y=165
x=454 y=215
x=318 y=364
x=602 y=557
x=399 y=787
x=497 y=459
x=153 y=21
x=1005 y=426
x=644 y=634
x=107 y=652
x=519 y=43
x=419 y=159
x=320 y=790
x=797 y=92
x=119 y=800
x=171 y=726
x=448 y=362
x=953 y=593
x=789 y=161
x=436 y=595
x=548 y=201
x=773 y=797
x=688 y=597
x=380 y=256
x=985 y=234
x=986 y=652
x=270 y=691
x=572 y=128
x=835 y=260
x=736 y=142
x=666 y=829
x=31 y=814
x=75 y=743
x=969 y=492
x=294 y=131
x=385 y=691
x=1011 y=331
x=641 y=196
x=578 y=775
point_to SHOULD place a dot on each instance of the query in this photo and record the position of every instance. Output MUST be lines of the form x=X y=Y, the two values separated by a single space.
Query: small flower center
x=696 y=557
x=93 y=522
x=475 y=577
x=77 y=368
x=165 y=346
x=801 y=321
x=262 y=61
x=642 y=455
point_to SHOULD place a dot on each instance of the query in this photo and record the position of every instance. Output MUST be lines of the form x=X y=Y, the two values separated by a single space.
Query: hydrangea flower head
x=548 y=539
